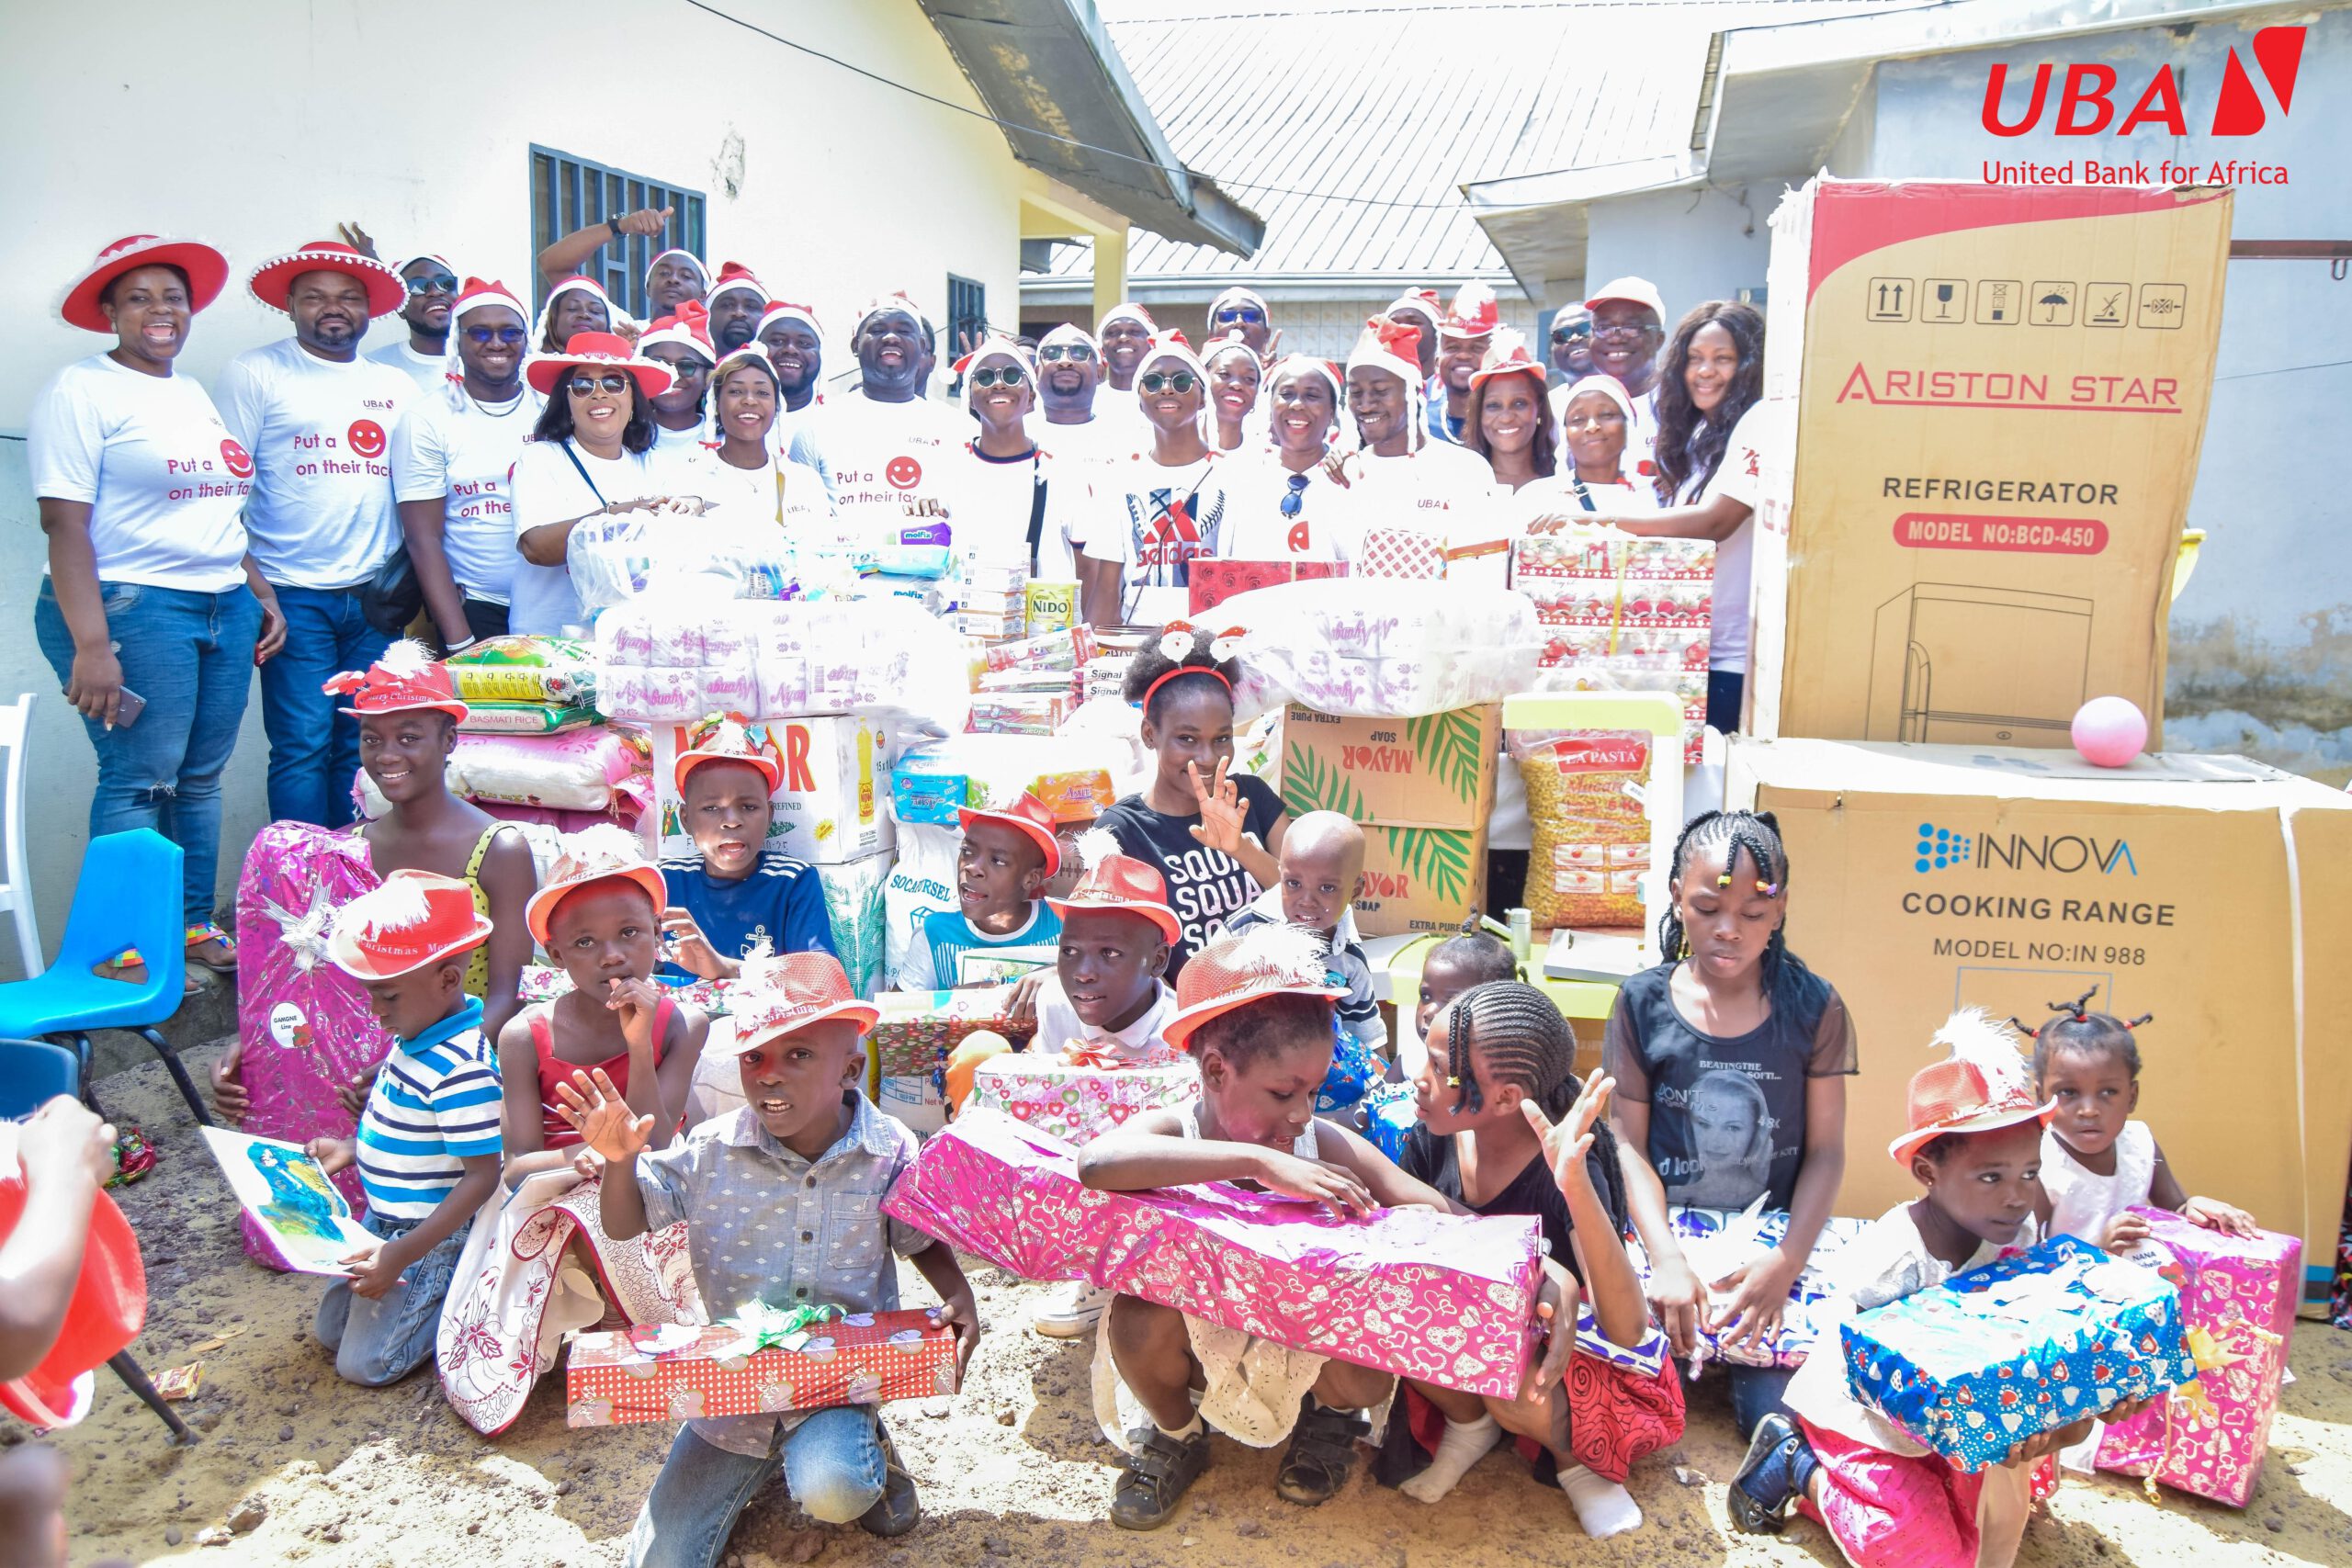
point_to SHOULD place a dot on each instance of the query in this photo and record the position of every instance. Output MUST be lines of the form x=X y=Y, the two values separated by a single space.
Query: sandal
x=1775 y=1437
x=205 y=934
x=1321 y=1455
x=898 y=1509
x=1159 y=1472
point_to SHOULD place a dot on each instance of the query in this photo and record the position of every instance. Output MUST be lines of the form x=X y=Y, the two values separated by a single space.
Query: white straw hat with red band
x=1506 y=356
x=207 y=270
x=606 y=852
x=1272 y=960
x=595 y=351
x=779 y=994
x=413 y=918
x=273 y=280
x=1984 y=1085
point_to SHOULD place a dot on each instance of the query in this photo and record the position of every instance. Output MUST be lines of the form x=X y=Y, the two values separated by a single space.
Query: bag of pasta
x=1590 y=835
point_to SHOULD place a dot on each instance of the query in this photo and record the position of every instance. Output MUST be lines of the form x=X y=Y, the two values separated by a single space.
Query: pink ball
x=2110 y=731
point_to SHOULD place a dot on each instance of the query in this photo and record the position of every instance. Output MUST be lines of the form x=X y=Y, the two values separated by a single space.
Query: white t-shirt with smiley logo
x=164 y=478
x=321 y=434
x=881 y=456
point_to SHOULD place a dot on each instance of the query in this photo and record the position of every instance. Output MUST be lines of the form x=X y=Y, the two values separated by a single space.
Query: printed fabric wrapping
x=1213 y=580
x=1390 y=1115
x=2209 y=1437
x=1626 y=614
x=1074 y=1098
x=302 y=1024
x=917 y=1029
x=1354 y=1070
x=680 y=1372
x=1401 y=552
x=2034 y=1342
x=1448 y=1298
x=1717 y=1242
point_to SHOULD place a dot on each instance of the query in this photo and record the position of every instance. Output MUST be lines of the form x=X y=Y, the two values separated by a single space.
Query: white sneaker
x=1074 y=1312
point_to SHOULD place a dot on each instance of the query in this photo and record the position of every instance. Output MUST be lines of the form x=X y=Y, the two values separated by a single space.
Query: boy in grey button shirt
x=783 y=1205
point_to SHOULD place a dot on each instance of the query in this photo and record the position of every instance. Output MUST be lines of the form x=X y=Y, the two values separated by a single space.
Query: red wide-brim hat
x=207 y=269
x=595 y=351
x=1038 y=828
x=104 y=1316
x=273 y=280
x=539 y=912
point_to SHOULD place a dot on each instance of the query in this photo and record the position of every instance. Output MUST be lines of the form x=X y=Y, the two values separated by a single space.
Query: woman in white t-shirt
x=1160 y=511
x=1285 y=504
x=1597 y=421
x=151 y=613
x=452 y=459
x=1711 y=440
x=586 y=458
x=741 y=477
x=1003 y=481
x=1235 y=375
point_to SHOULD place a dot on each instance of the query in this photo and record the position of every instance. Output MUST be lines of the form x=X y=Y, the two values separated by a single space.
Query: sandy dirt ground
x=314 y=1471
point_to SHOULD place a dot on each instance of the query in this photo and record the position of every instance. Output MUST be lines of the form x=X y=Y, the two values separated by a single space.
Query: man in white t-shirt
x=318 y=420
x=885 y=447
x=1158 y=510
x=796 y=346
x=1066 y=422
x=1409 y=496
x=1122 y=336
x=1463 y=340
x=1628 y=322
x=423 y=353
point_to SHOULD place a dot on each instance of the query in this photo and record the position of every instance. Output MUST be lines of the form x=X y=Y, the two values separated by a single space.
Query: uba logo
x=2087 y=98
x=366 y=437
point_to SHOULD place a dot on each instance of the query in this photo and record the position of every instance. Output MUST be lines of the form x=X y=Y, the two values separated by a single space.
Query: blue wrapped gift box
x=1977 y=1365
x=1390 y=1117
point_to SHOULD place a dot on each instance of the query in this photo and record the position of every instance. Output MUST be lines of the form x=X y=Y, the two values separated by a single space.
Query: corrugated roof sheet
x=1378 y=114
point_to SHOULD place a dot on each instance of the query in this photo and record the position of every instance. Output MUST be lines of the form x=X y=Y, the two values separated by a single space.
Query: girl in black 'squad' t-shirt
x=1731 y=1060
x=1212 y=834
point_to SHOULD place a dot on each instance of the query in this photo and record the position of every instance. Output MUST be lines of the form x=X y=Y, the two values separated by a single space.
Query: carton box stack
x=1989 y=402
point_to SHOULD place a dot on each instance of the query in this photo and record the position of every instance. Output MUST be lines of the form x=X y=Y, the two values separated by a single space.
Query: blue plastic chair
x=33 y=1073
x=129 y=896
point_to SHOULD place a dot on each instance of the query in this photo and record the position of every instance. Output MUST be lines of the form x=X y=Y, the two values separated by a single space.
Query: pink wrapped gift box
x=1447 y=1299
x=2239 y=1298
x=1077 y=1102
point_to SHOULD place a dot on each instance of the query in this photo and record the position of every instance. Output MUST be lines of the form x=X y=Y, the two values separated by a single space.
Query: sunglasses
x=611 y=381
x=433 y=282
x=1173 y=380
x=685 y=369
x=1009 y=376
x=509 y=335
x=1247 y=315
x=1076 y=353
x=1295 y=497
x=1570 y=335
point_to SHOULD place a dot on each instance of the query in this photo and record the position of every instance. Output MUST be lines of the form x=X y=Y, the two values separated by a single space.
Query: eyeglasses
x=1173 y=380
x=611 y=381
x=1009 y=376
x=433 y=282
x=1570 y=335
x=1076 y=353
x=509 y=335
x=1625 y=329
x=686 y=370
x=1248 y=315
x=1296 y=498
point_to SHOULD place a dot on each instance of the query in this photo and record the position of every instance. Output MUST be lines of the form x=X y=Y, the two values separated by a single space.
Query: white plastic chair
x=16 y=890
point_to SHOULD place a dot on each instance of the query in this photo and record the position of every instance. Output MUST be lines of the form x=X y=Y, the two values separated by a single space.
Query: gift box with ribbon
x=2030 y=1344
x=1718 y=1242
x=763 y=1361
x=2209 y=1437
x=1077 y=1095
x=1448 y=1298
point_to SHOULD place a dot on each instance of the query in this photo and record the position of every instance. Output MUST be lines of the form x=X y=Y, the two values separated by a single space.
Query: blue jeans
x=1756 y=1393
x=313 y=749
x=191 y=656
x=382 y=1341
x=832 y=1462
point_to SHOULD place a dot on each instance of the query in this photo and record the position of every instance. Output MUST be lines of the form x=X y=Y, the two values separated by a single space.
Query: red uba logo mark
x=367 y=438
x=235 y=458
x=2086 y=97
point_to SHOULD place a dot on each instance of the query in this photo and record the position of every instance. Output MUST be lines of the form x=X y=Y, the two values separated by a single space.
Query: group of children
x=1723 y=1082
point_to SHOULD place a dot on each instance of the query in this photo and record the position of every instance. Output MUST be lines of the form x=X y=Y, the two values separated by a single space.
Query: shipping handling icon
x=1940 y=849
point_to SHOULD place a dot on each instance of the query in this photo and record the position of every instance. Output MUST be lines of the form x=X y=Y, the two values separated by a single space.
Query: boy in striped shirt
x=428 y=1143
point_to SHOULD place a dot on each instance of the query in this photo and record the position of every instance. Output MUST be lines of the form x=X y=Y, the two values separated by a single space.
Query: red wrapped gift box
x=1214 y=579
x=678 y=1373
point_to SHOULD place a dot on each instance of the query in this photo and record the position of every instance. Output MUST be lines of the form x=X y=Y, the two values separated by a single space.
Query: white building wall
x=1696 y=245
x=258 y=127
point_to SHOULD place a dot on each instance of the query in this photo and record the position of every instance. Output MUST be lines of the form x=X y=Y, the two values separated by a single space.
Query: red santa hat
x=413 y=918
x=898 y=300
x=687 y=256
x=476 y=292
x=688 y=329
x=1170 y=344
x=406 y=678
x=1391 y=346
x=995 y=343
x=1421 y=300
x=1226 y=344
x=1307 y=365
x=785 y=311
x=575 y=284
x=1476 y=312
x=734 y=275
x=1126 y=310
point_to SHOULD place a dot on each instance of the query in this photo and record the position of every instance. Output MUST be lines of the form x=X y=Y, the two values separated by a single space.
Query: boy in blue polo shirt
x=428 y=1143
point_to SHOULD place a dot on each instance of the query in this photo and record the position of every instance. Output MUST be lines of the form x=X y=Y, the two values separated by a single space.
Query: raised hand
x=646 y=220
x=1567 y=1144
x=602 y=1117
x=357 y=239
x=1221 y=809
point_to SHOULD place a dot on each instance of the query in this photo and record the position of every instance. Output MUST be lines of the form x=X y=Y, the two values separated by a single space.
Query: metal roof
x=1049 y=74
x=1352 y=127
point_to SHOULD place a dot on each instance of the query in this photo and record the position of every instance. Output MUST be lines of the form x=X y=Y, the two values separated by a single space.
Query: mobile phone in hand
x=127 y=707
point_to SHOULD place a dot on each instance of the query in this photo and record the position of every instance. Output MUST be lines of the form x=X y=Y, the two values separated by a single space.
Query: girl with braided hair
x=1730 y=1002
x=2097 y=1165
x=1505 y=1128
